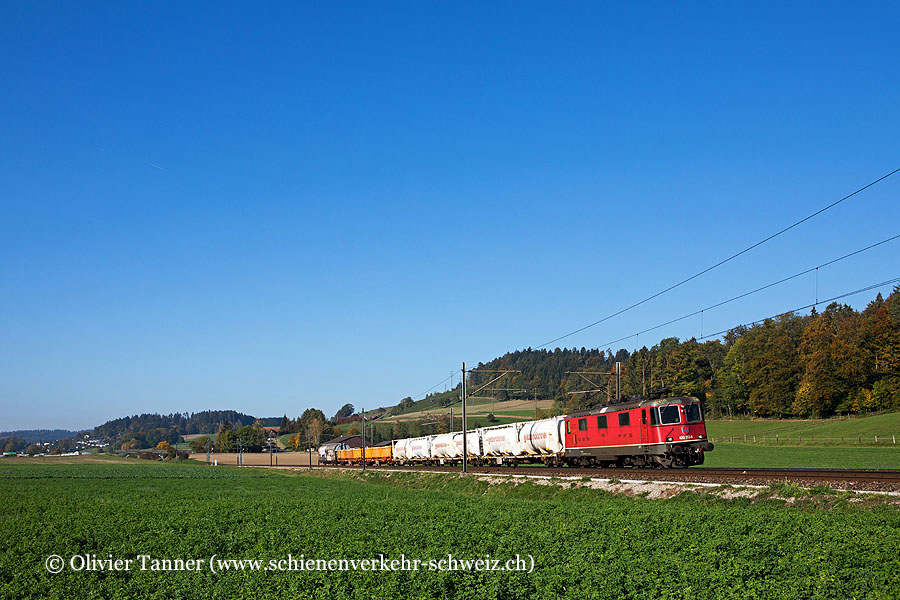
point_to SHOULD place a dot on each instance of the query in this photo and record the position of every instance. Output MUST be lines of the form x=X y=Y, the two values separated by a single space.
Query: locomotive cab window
x=654 y=419
x=669 y=415
x=582 y=424
x=568 y=429
x=692 y=412
x=624 y=419
x=601 y=422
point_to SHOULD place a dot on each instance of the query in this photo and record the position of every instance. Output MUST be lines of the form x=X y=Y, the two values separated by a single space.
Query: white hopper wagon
x=502 y=440
x=444 y=446
x=473 y=443
x=400 y=451
x=544 y=437
x=419 y=448
x=449 y=446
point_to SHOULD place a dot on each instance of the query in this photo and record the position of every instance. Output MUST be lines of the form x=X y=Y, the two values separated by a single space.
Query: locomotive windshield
x=692 y=412
x=668 y=415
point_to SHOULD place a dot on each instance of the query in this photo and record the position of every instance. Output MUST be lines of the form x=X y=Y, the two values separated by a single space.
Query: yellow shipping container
x=373 y=454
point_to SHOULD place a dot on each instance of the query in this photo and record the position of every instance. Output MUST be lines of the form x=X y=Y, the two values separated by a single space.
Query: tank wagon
x=663 y=433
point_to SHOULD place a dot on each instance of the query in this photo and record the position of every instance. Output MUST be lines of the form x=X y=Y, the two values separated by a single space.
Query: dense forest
x=835 y=361
x=183 y=423
x=149 y=429
x=32 y=436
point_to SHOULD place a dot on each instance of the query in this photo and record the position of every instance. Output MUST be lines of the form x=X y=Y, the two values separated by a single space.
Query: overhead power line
x=721 y=262
x=751 y=292
x=440 y=383
x=808 y=306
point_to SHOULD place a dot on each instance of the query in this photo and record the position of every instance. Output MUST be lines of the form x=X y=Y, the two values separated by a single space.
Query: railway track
x=859 y=479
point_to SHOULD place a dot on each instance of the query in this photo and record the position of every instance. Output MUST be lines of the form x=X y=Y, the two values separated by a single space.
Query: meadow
x=740 y=455
x=817 y=443
x=837 y=431
x=585 y=543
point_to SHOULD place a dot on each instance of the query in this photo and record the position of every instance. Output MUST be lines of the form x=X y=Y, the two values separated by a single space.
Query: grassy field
x=821 y=431
x=826 y=457
x=585 y=543
x=193 y=436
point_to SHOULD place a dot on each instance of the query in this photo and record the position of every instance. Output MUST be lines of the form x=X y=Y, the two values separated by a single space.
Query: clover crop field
x=585 y=543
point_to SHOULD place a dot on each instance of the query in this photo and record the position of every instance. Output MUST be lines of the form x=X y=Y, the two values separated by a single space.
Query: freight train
x=662 y=433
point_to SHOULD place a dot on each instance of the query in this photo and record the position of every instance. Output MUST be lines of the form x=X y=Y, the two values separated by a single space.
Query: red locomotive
x=668 y=432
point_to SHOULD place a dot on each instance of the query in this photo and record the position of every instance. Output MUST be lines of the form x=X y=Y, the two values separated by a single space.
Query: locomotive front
x=678 y=431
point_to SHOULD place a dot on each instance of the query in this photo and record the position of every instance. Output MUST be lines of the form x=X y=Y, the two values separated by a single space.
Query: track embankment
x=860 y=480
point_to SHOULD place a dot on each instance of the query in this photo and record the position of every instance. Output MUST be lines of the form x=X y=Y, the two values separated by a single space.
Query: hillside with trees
x=38 y=435
x=182 y=423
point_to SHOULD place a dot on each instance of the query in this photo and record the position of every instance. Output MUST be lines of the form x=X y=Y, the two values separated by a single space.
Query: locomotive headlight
x=668 y=439
x=701 y=436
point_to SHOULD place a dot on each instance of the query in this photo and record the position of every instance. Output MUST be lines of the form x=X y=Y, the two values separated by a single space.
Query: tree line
x=183 y=423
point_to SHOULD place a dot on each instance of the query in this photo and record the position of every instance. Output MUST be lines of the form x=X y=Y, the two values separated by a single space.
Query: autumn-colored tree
x=316 y=427
x=882 y=339
x=833 y=363
x=225 y=437
x=764 y=362
x=201 y=444
x=129 y=444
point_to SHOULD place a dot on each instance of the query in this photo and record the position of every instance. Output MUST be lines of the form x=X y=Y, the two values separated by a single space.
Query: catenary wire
x=788 y=312
x=745 y=294
x=722 y=262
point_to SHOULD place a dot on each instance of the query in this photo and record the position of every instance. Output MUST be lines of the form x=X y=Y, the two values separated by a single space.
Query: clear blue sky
x=271 y=207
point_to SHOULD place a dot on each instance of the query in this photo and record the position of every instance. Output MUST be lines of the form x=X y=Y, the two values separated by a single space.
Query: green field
x=822 y=431
x=824 y=457
x=585 y=543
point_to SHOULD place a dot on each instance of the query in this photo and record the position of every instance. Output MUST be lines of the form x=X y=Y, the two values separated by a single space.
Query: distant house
x=327 y=449
x=271 y=432
x=345 y=420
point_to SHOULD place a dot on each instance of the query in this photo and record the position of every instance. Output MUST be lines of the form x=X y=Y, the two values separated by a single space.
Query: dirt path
x=263 y=459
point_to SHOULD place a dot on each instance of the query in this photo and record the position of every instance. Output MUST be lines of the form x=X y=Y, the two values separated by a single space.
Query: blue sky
x=266 y=208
